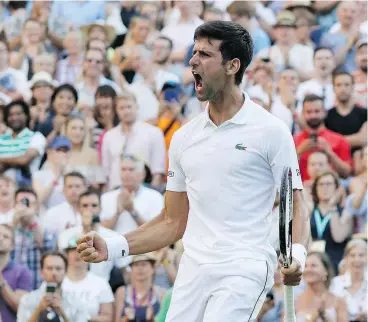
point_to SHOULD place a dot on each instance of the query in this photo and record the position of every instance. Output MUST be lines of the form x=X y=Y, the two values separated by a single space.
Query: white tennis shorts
x=226 y=292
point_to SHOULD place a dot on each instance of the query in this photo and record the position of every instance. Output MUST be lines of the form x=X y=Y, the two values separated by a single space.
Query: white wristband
x=117 y=247
x=299 y=253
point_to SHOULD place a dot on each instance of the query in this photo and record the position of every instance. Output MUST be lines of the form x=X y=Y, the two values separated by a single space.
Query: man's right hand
x=306 y=145
x=45 y=303
x=92 y=248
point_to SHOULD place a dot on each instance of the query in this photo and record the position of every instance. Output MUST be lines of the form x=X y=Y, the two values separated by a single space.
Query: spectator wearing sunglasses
x=90 y=210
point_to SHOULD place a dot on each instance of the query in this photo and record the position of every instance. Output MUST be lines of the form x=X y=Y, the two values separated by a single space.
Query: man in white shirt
x=90 y=211
x=321 y=83
x=7 y=190
x=224 y=169
x=134 y=137
x=125 y=209
x=66 y=215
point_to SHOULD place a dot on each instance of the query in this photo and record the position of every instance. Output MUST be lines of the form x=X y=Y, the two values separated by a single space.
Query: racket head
x=286 y=216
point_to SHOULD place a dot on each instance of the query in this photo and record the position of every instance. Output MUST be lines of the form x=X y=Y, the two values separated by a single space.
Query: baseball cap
x=285 y=19
x=361 y=42
x=143 y=257
x=60 y=142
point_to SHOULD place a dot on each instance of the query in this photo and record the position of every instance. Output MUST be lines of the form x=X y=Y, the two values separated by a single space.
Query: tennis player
x=225 y=167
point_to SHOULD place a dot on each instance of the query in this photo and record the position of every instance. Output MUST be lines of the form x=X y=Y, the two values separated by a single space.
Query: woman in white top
x=352 y=286
x=316 y=303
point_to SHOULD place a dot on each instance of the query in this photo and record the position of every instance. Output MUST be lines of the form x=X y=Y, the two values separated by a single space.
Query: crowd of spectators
x=91 y=93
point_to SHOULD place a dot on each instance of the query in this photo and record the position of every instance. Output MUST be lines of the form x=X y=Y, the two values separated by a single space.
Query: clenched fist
x=92 y=248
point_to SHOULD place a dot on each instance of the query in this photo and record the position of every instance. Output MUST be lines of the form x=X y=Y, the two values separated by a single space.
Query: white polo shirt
x=231 y=173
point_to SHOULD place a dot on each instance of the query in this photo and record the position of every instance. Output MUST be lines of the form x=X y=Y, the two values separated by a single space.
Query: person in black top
x=346 y=118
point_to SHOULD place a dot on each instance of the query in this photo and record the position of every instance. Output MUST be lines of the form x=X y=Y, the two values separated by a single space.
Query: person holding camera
x=30 y=239
x=90 y=210
x=50 y=302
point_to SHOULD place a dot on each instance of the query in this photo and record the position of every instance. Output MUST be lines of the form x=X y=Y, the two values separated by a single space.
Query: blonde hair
x=352 y=244
x=126 y=95
x=86 y=139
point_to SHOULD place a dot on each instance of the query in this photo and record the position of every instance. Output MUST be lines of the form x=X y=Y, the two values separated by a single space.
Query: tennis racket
x=285 y=234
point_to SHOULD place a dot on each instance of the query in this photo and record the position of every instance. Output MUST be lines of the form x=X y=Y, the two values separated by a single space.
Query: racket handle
x=289 y=309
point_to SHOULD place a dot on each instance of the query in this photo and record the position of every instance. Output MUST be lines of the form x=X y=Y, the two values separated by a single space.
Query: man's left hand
x=324 y=145
x=293 y=275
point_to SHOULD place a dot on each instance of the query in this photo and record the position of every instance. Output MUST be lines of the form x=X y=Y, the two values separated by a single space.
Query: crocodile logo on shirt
x=240 y=146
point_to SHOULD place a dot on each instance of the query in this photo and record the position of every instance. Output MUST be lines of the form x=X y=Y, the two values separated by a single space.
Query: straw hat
x=285 y=19
x=143 y=257
x=42 y=78
x=109 y=30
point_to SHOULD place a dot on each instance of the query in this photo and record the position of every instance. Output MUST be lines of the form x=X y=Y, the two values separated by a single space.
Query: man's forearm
x=341 y=167
x=301 y=223
x=155 y=234
x=10 y=297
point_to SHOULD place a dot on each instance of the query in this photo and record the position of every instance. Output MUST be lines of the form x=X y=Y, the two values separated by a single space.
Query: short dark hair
x=14 y=5
x=171 y=44
x=338 y=73
x=90 y=192
x=236 y=42
x=105 y=91
x=322 y=48
x=312 y=98
x=75 y=174
x=24 y=106
x=56 y=253
x=65 y=87
x=25 y=190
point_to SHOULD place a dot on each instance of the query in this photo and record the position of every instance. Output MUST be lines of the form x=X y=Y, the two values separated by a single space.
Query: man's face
x=289 y=78
x=126 y=109
x=93 y=63
x=140 y=30
x=73 y=188
x=160 y=51
x=285 y=34
x=32 y=31
x=343 y=87
x=17 y=118
x=4 y=56
x=209 y=70
x=6 y=240
x=324 y=62
x=314 y=113
x=346 y=13
x=7 y=189
x=317 y=164
x=89 y=206
x=130 y=175
x=361 y=58
x=53 y=270
x=97 y=32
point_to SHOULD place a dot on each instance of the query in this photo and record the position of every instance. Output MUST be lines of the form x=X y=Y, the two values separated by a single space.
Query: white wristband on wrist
x=299 y=253
x=117 y=247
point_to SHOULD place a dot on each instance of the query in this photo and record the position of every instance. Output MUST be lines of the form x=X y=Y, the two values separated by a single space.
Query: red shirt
x=339 y=145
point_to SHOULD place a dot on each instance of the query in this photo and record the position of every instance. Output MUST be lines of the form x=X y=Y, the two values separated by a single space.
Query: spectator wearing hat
x=63 y=102
x=42 y=86
x=69 y=68
x=149 y=86
x=31 y=240
x=13 y=83
x=244 y=14
x=93 y=292
x=49 y=302
x=139 y=301
x=346 y=118
x=48 y=182
x=285 y=52
x=126 y=208
x=90 y=210
x=352 y=285
x=7 y=190
x=316 y=137
x=99 y=30
x=92 y=77
x=21 y=149
x=342 y=40
x=66 y=214
x=321 y=82
x=133 y=137
x=15 y=279
x=360 y=75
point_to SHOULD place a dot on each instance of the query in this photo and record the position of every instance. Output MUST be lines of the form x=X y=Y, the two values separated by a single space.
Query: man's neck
x=76 y=273
x=15 y=133
x=323 y=79
x=226 y=105
x=344 y=108
x=92 y=81
x=4 y=260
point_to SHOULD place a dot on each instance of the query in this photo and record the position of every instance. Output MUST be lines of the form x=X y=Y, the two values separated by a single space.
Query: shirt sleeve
x=25 y=280
x=281 y=154
x=38 y=142
x=175 y=175
x=157 y=162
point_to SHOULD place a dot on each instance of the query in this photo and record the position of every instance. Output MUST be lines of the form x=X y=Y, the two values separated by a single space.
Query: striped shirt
x=16 y=146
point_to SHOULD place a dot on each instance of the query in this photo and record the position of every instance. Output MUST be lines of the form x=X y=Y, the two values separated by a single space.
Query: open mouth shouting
x=198 y=82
